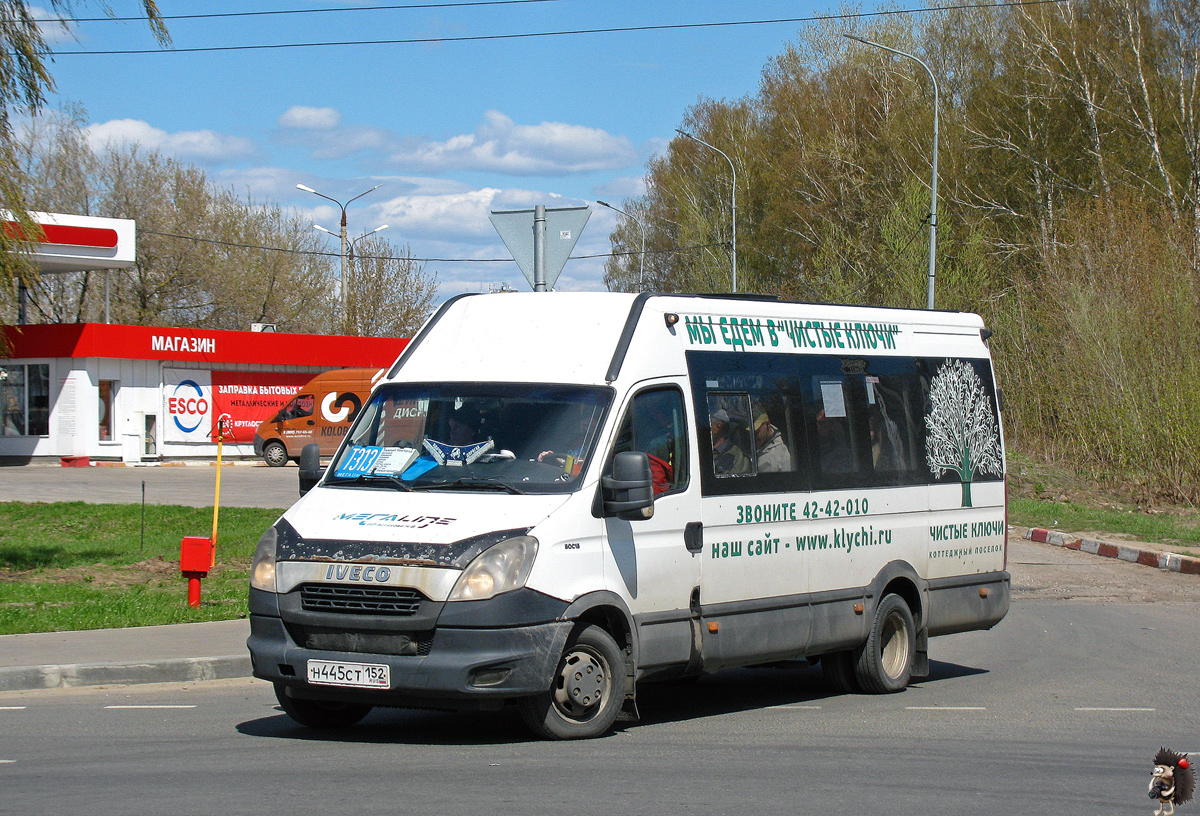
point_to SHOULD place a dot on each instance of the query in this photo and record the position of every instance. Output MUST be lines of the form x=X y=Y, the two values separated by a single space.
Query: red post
x=195 y=558
x=194 y=588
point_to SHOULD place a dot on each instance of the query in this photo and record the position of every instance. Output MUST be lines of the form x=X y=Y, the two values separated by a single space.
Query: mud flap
x=629 y=710
x=920 y=667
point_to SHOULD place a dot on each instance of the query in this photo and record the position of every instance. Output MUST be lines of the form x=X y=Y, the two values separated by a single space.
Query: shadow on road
x=726 y=692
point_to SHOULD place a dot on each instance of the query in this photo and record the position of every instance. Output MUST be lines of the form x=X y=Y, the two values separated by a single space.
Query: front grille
x=359 y=600
x=321 y=638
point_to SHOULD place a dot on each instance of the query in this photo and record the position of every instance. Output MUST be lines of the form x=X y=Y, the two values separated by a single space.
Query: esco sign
x=188 y=406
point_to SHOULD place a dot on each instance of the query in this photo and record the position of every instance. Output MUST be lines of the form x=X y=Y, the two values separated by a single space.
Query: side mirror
x=310 y=467
x=629 y=492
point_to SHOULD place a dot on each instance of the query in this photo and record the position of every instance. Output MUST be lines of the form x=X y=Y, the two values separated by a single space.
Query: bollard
x=195 y=559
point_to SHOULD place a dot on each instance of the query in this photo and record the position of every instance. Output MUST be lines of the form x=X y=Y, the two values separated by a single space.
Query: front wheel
x=320 y=713
x=587 y=692
x=885 y=661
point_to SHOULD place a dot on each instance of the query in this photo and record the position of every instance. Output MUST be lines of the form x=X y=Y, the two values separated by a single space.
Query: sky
x=452 y=127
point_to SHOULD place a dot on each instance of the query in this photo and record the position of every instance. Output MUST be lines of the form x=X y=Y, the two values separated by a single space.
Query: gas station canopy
x=80 y=243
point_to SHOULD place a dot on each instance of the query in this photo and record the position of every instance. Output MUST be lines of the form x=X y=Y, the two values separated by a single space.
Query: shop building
x=102 y=392
x=99 y=392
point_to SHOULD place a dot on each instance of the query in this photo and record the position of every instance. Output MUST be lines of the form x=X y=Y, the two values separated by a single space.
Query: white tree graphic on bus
x=963 y=436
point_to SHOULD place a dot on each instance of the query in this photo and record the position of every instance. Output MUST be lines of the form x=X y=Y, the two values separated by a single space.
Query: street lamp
x=642 y=229
x=733 y=243
x=933 y=184
x=342 y=234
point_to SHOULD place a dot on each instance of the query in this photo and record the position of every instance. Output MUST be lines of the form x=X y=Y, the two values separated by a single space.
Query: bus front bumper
x=463 y=668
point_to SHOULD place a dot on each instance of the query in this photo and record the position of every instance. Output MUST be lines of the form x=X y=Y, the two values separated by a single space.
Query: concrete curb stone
x=1172 y=562
x=73 y=675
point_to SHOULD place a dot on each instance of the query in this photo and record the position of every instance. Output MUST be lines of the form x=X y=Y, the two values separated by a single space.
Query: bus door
x=657 y=560
x=755 y=587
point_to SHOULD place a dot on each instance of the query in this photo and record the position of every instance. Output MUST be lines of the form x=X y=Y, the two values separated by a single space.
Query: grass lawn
x=1176 y=532
x=71 y=565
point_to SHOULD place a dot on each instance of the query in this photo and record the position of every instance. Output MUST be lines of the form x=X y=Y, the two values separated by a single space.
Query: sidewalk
x=213 y=651
x=146 y=654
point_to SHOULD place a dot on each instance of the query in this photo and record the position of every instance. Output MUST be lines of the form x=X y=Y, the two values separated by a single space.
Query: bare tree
x=389 y=293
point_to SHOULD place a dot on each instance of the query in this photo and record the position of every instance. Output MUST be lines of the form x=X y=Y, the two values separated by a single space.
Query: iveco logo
x=357 y=572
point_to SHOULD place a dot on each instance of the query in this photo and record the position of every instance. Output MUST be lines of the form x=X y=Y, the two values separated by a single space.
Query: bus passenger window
x=728 y=419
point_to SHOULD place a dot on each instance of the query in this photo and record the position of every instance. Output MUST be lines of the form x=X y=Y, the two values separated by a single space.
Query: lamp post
x=341 y=235
x=934 y=182
x=642 y=228
x=733 y=242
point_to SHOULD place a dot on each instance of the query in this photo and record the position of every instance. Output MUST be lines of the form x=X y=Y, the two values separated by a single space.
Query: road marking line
x=13 y=708
x=945 y=708
x=1116 y=709
x=143 y=707
x=7 y=761
x=799 y=707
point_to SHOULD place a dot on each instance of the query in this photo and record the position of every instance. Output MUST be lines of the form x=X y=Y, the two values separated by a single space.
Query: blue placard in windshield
x=359 y=461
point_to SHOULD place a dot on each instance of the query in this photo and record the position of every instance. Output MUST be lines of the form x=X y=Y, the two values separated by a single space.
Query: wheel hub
x=582 y=685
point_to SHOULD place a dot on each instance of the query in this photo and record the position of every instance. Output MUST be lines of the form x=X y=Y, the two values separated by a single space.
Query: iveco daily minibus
x=551 y=498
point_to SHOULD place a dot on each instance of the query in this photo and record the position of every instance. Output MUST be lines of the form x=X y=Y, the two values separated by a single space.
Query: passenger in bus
x=728 y=458
x=773 y=454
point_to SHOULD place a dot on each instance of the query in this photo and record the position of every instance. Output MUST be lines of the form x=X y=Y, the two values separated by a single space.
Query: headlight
x=262 y=573
x=500 y=568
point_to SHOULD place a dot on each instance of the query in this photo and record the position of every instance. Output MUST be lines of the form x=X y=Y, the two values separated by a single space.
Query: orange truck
x=321 y=412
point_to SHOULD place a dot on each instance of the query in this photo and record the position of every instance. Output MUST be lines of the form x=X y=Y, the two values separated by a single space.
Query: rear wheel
x=320 y=713
x=885 y=661
x=275 y=454
x=587 y=692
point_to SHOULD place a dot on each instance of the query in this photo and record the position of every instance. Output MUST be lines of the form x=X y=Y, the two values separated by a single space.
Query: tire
x=587 y=692
x=885 y=661
x=320 y=713
x=275 y=454
x=838 y=669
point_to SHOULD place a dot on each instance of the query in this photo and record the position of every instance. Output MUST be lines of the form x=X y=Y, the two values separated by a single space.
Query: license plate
x=358 y=675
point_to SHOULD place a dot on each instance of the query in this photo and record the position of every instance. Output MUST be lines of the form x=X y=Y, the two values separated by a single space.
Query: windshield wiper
x=373 y=478
x=474 y=482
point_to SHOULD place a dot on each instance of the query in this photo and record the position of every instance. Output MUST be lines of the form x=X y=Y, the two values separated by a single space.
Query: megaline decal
x=963 y=436
x=393 y=520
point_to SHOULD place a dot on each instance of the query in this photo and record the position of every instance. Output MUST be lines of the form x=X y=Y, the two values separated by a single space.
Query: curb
x=74 y=675
x=1172 y=562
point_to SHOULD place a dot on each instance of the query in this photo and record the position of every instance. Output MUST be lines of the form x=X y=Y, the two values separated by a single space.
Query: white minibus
x=551 y=498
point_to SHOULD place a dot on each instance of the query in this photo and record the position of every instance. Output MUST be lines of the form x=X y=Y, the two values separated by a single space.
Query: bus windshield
x=516 y=438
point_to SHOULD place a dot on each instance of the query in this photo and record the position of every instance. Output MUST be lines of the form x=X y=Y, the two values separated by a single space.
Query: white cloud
x=303 y=117
x=501 y=146
x=621 y=187
x=190 y=144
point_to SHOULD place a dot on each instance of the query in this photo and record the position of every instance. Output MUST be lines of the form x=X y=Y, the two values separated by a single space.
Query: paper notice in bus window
x=831 y=397
x=872 y=382
x=395 y=461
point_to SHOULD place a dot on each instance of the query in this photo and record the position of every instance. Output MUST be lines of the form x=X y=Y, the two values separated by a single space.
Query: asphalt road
x=242 y=485
x=1059 y=709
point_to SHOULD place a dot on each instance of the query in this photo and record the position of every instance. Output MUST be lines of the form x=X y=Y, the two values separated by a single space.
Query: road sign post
x=541 y=239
